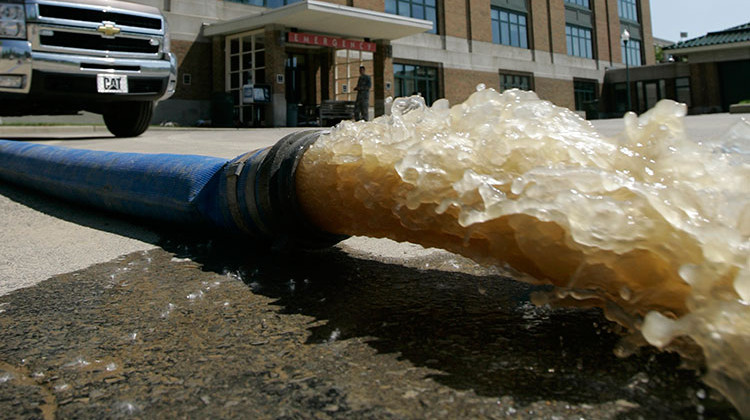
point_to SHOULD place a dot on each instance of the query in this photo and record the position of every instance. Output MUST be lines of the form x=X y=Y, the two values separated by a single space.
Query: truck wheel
x=129 y=119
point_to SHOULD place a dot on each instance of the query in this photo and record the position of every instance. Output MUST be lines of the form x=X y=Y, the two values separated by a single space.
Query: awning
x=327 y=18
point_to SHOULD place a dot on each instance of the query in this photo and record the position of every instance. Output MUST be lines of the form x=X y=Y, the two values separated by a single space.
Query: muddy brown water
x=207 y=328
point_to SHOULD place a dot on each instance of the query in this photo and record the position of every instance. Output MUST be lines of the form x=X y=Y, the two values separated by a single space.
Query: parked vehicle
x=103 y=56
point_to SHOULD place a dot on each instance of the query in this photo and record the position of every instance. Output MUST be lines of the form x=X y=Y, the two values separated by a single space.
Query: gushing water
x=652 y=226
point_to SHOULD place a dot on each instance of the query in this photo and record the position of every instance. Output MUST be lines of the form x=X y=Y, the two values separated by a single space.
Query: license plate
x=111 y=83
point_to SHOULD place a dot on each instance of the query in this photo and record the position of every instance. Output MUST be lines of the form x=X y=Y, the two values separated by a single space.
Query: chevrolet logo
x=108 y=29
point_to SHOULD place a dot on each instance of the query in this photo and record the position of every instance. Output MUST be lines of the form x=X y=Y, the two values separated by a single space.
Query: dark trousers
x=360 y=107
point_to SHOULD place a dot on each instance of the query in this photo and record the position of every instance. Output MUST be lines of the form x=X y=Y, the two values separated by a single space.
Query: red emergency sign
x=329 y=41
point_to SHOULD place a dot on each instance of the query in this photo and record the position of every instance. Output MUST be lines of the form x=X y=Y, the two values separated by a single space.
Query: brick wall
x=194 y=59
x=648 y=38
x=557 y=24
x=539 y=25
x=559 y=92
x=613 y=15
x=603 y=40
x=459 y=84
x=481 y=23
x=455 y=19
x=376 y=5
x=275 y=59
x=275 y=113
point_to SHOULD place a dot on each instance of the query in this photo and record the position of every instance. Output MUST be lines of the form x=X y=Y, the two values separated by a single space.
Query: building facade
x=274 y=62
x=708 y=73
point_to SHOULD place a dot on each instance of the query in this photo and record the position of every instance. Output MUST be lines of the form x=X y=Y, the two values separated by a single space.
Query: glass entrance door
x=295 y=78
x=301 y=88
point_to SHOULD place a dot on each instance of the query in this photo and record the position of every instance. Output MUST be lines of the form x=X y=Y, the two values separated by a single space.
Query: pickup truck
x=103 y=56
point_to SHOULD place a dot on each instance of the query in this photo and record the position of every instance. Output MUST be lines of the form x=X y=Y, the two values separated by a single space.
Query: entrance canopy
x=322 y=17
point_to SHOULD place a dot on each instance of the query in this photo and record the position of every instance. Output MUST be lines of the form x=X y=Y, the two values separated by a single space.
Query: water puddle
x=323 y=333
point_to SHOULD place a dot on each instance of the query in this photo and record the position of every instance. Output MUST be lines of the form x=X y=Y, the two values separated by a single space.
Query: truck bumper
x=18 y=63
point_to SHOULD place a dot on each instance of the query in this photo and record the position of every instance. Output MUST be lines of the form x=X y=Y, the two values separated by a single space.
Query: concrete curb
x=57 y=130
x=13 y=130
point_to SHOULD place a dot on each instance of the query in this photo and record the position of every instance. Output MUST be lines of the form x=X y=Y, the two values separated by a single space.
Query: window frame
x=680 y=89
x=570 y=38
x=346 y=72
x=394 y=7
x=583 y=4
x=237 y=73
x=628 y=10
x=632 y=52
x=579 y=106
x=497 y=27
x=642 y=93
x=502 y=73
x=265 y=3
x=429 y=97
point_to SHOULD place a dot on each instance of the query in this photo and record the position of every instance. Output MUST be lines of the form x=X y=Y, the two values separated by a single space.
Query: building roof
x=737 y=34
x=323 y=17
x=662 y=42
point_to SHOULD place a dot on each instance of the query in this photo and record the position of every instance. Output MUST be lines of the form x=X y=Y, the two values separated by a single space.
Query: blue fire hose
x=253 y=194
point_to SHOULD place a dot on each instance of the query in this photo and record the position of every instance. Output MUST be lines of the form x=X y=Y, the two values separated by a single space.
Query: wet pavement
x=201 y=326
x=206 y=328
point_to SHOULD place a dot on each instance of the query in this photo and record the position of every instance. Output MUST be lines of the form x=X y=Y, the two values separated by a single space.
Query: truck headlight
x=12 y=20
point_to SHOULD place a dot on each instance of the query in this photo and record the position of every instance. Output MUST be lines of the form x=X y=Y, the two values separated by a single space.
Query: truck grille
x=98 y=16
x=97 y=42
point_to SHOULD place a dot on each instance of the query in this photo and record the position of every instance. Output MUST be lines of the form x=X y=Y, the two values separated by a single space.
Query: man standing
x=363 y=95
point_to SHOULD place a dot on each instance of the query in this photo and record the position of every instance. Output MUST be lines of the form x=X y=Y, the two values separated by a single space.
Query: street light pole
x=625 y=38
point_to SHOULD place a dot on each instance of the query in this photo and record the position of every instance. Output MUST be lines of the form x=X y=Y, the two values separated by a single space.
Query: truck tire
x=129 y=119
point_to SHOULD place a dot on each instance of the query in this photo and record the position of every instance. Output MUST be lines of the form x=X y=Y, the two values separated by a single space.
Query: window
x=420 y=9
x=628 y=10
x=579 y=40
x=267 y=3
x=509 y=28
x=346 y=73
x=581 y=3
x=585 y=95
x=632 y=52
x=682 y=90
x=621 y=97
x=416 y=79
x=649 y=93
x=246 y=64
x=515 y=81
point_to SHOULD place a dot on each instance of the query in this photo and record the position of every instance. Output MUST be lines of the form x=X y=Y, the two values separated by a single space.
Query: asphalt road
x=104 y=316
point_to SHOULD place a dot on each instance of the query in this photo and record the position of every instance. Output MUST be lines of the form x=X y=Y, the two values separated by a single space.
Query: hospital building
x=273 y=63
